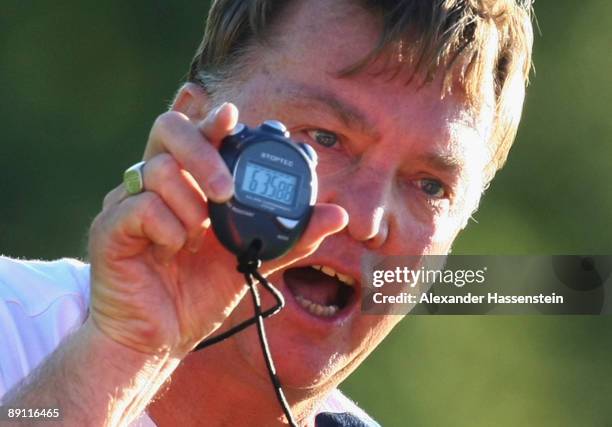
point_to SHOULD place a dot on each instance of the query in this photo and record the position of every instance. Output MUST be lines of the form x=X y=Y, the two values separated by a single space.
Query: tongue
x=313 y=285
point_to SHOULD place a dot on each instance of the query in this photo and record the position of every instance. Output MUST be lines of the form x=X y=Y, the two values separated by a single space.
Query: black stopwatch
x=275 y=189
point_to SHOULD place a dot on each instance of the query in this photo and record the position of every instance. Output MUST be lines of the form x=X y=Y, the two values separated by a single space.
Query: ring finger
x=179 y=190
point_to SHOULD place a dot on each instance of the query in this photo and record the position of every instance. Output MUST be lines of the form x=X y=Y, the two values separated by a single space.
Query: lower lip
x=340 y=318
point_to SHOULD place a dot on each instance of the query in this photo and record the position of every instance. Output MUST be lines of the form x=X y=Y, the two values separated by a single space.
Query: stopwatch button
x=310 y=152
x=276 y=127
x=289 y=224
x=237 y=129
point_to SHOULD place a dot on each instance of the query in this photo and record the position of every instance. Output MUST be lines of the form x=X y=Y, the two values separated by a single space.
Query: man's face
x=406 y=164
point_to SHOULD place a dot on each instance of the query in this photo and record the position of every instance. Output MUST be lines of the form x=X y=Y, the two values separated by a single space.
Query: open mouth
x=320 y=290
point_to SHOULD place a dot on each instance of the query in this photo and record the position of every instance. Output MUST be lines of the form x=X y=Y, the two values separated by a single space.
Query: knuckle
x=210 y=159
x=152 y=209
x=143 y=207
x=307 y=248
x=108 y=199
x=112 y=196
x=96 y=224
x=163 y=167
x=168 y=121
x=101 y=229
x=199 y=151
x=147 y=204
x=303 y=252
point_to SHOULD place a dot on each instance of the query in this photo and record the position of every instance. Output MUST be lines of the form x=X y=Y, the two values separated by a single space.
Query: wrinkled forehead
x=338 y=35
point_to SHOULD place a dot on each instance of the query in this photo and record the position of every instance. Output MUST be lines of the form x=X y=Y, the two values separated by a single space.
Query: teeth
x=317 y=309
x=329 y=271
x=344 y=278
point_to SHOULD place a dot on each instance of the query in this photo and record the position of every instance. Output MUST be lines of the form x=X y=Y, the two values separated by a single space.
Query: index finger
x=173 y=132
x=219 y=123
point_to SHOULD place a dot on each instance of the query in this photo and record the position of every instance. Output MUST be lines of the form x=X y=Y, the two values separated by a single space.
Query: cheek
x=412 y=224
x=444 y=236
x=415 y=229
x=332 y=163
x=408 y=235
x=335 y=175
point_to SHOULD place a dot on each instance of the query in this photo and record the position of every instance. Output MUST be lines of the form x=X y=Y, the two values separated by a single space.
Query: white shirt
x=42 y=302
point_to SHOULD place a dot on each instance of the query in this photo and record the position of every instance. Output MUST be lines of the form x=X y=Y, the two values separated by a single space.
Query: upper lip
x=353 y=270
x=354 y=273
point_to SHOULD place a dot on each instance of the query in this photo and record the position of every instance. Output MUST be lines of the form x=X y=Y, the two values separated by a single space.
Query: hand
x=161 y=281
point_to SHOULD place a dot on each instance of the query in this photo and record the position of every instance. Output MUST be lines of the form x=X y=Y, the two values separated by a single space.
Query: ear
x=193 y=101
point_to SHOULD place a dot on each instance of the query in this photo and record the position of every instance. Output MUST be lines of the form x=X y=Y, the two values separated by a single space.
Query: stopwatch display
x=275 y=190
x=269 y=183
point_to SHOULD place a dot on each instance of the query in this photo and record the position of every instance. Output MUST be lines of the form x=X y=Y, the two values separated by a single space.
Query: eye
x=323 y=137
x=432 y=188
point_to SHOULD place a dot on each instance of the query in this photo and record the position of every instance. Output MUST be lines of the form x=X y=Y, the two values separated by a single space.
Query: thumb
x=326 y=219
x=219 y=123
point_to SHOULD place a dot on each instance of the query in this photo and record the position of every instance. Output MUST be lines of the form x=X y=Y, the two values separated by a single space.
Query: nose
x=365 y=194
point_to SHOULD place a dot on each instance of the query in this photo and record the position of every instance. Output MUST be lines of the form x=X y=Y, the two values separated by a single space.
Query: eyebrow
x=447 y=162
x=353 y=118
x=349 y=115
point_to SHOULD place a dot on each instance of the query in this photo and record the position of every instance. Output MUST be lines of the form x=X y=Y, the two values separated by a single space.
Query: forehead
x=342 y=24
x=315 y=39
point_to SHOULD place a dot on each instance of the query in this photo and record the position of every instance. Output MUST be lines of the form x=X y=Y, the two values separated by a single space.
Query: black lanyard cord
x=248 y=264
x=263 y=340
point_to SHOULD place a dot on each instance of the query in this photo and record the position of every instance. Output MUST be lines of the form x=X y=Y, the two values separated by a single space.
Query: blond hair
x=471 y=41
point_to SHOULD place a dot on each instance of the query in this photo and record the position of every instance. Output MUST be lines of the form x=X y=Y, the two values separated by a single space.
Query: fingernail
x=218 y=109
x=195 y=244
x=221 y=187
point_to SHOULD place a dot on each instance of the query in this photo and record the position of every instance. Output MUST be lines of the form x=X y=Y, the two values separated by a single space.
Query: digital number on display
x=269 y=183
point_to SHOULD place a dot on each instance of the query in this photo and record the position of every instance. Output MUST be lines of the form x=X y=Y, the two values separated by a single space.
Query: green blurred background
x=82 y=81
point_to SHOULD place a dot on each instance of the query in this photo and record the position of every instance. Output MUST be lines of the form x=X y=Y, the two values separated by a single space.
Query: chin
x=312 y=339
